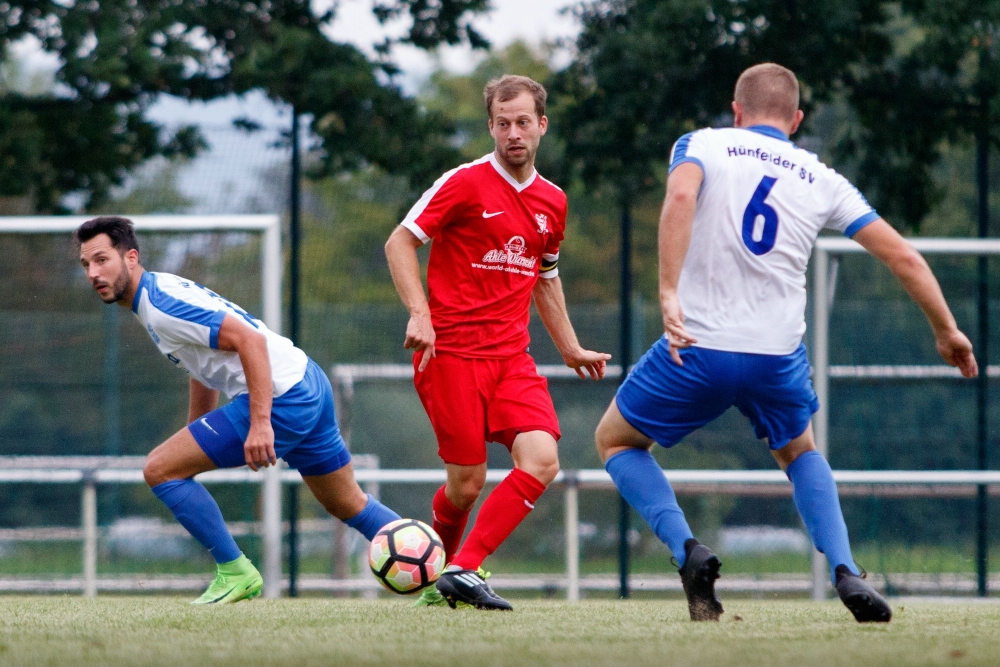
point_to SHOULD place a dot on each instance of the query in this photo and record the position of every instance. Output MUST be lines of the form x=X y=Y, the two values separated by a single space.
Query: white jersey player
x=763 y=201
x=743 y=209
x=281 y=403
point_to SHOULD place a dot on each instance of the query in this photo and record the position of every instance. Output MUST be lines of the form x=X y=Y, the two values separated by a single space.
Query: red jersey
x=493 y=238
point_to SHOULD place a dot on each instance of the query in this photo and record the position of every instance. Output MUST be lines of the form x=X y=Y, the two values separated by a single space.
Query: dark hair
x=119 y=230
x=510 y=86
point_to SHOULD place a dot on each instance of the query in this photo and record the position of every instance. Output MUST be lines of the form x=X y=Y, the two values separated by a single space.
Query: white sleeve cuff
x=548 y=275
x=415 y=228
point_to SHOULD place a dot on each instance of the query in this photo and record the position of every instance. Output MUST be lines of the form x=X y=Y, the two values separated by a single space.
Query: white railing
x=89 y=472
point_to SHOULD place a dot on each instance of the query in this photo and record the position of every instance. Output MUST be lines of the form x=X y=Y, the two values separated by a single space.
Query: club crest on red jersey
x=543 y=222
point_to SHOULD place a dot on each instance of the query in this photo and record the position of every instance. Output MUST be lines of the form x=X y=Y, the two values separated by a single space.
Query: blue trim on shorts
x=666 y=402
x=306 y=434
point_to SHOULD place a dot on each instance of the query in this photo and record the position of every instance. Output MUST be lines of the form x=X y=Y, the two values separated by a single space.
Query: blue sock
x=815 y=495
x=640 y=480
x=371 y=519
x=196 y=509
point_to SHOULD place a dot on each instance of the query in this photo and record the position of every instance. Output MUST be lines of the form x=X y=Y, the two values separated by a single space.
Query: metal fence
x=89 y=472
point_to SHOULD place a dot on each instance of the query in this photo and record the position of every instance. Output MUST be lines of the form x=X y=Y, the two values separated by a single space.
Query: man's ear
x=737 y=114
x=543 y=124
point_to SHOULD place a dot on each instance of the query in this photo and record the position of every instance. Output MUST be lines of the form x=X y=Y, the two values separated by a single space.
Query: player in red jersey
x=496 y=225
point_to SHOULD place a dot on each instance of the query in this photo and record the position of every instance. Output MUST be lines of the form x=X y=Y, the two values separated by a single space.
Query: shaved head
x=768 y=91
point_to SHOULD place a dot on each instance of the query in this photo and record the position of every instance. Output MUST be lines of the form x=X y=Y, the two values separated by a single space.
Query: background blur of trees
x=895 y=94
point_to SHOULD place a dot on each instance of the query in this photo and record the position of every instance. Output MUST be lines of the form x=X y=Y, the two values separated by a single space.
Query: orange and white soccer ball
x=406 y=556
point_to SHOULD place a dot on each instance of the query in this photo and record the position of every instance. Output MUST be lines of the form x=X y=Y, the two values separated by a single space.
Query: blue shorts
x=665 y=402
x=306 y=434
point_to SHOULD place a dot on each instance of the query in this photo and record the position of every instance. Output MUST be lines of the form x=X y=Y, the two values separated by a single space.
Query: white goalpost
x=272 y=270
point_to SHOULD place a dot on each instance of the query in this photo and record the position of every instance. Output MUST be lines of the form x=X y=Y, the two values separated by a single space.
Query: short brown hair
x=510 y=86
x=768 y=90
x=119 y=230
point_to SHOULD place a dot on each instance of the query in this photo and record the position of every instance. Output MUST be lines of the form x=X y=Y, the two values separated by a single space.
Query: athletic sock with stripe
x=449 y=523
x=500 y=514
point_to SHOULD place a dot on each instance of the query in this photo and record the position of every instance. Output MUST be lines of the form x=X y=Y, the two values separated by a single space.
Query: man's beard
x=527 y=156
x=119 y=287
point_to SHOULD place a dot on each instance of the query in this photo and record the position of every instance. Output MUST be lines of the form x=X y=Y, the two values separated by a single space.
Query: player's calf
x=701 y=569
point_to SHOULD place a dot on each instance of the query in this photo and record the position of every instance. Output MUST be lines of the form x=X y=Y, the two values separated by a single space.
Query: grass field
x=168 y=631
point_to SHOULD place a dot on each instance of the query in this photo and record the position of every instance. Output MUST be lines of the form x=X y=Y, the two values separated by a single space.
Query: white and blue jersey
x=183 y=319
x=762 y=204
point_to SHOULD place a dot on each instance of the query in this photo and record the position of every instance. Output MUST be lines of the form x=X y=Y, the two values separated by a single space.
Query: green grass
x=168 y=631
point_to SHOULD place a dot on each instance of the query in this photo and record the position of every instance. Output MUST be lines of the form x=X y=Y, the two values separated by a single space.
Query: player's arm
x=251 y=346
x=551 y=306
x=201 y=400
x=676 y=220
x=401 y=252
x=886 y=244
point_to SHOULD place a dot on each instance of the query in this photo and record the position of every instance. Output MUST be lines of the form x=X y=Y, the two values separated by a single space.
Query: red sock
x=503 y=510
x=449 y=523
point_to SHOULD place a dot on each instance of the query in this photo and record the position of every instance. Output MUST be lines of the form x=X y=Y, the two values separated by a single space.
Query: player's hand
x=955 y=348
x=259 y=446
x=594 y=363
x=420 y=336
x=673 y=325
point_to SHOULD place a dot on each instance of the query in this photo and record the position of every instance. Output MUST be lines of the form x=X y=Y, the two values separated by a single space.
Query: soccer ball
x=406 y=556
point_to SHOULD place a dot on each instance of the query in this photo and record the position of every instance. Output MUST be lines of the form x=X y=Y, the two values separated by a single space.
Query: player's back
x=762 y=204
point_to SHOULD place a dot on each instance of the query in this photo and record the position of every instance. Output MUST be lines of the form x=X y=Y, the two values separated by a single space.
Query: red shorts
x=471 y=401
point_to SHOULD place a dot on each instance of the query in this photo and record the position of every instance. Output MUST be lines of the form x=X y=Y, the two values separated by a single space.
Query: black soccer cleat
x=701 y=569
x=469 y=587
x=858 y=596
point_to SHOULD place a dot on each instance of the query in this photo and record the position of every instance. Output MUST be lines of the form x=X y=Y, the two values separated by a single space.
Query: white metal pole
x=271 y=270
x=821 y=380
x=572 y=539
x=89 y=511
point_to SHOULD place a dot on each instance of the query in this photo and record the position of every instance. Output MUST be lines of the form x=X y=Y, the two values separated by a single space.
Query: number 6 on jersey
x=758 y=207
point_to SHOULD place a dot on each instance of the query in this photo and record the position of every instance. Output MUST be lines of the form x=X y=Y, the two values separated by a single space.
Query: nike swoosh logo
x=223 y=595
x=491 y=215
x=208 y=426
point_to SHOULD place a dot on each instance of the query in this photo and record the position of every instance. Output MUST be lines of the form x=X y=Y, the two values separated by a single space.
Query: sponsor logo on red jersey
x=512 y=254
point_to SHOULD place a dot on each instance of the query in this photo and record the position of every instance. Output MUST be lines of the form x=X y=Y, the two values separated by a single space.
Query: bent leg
x=815 y=496
x=453 y=502
x=169 y=471
x=340 y=494
x=536 y=463
x=640 y=480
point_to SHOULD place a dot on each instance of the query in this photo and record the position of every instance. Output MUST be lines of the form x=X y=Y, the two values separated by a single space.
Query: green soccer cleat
x=429 y=597
x=234 y=581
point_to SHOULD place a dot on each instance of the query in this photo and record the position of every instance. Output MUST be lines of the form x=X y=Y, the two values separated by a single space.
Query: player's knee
x=467 y=492
x=544 y=469
x=154 y=470
x=603 y=438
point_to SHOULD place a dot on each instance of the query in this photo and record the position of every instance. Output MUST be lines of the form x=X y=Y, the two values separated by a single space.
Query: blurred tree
x=647 y=71
x=939 y=88
x=116 y=56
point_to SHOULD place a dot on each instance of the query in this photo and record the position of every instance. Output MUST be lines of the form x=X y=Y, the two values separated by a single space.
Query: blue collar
x=144 y=282
x=769 y=131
